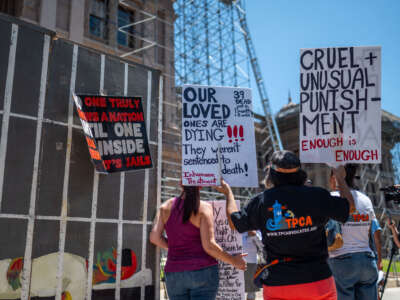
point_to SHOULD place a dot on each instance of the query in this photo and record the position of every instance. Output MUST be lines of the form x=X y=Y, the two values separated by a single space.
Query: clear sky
x=280 y=28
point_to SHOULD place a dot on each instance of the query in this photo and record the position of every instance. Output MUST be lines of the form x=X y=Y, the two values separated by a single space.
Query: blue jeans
x=355 y=276
x=193 y=285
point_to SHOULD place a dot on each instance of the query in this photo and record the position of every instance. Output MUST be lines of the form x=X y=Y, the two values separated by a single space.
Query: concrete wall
x=56 y=213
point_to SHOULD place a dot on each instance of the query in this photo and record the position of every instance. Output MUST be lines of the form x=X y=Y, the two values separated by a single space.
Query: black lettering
x=211 y=93
x=226 y=112
x=314 y=81
x=352 y=64
x=353 y=121
x=319 y=54
x=342 y=79
x=333 y=74
x=323 y=123
x=307 y=52
x=346 y=98
x=342 y=58
x=333 y=92
x=337 y=122
x=306 y=120
x=358 y=76
x=323 y=79
x=215 y=113
x=304 y=87
x=323 y=101
x=331 y=57
x=368 y=84
x=359 y=99
x=202 y=98
x=189 y=94
x=304 y=97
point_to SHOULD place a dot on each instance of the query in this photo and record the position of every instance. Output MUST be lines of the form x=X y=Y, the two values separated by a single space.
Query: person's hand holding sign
x=340 y=176
x=224 y=188
x=231 y=207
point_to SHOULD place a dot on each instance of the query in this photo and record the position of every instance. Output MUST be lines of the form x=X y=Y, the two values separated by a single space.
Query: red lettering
x=117 y=163
x=104 y=117
x=95 y=101
x=313 y=144
x=374 y=154
x=304 y=145
x=136 y=103
x=337 y=153
x=288 y=221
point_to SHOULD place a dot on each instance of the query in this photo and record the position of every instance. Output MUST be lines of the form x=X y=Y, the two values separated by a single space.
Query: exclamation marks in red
x=234 y=132
x=241 y=133
x=246 y=168
x=230 y=134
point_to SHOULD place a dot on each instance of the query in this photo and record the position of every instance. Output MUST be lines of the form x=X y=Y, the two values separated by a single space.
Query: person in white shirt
x=251 y=241
x=353 y=265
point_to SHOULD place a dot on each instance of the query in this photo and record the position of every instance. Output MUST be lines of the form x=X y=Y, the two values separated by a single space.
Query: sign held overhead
x=218 y=136
x=340 y=105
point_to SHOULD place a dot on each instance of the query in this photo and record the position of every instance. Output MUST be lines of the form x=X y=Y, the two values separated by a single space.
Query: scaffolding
x=213 y=46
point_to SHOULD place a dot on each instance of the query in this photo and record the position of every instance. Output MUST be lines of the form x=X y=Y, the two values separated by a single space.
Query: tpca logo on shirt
x=287 y=220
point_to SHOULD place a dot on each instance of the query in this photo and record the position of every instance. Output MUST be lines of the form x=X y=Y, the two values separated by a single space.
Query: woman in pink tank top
x=191 y=270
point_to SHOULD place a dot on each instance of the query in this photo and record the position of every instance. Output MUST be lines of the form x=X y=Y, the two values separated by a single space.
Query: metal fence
x=56 y=212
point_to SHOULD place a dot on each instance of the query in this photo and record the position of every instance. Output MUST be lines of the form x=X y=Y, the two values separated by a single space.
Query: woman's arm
x=378 y=246
x=395 y=233
x=231 y=206
x=209 y=244
x=156 y=235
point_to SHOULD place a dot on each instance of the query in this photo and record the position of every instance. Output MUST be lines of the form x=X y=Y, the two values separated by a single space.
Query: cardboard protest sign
x=115 y=132
x=340 y=105
x=231 y=280
x=218 y=136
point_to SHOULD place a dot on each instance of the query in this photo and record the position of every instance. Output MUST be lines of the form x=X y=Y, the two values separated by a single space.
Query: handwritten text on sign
x=340 y=105
x=231 y=280
x=115 y=132
x=218 y=136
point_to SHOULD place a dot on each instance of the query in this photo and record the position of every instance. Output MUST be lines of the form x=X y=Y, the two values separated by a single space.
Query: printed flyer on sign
x=218 y=136
x=340 y=105
x=231 y=280
x=115 y=132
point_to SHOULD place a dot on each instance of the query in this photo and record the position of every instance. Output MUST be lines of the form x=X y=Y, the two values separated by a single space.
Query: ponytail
x=191 y=201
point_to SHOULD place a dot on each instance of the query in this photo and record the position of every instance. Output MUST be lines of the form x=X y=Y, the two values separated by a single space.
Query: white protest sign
x=218 y=136
x=231 y=280
x=340 y=105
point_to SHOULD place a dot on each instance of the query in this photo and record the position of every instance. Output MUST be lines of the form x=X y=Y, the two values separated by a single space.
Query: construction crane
x=274 y=137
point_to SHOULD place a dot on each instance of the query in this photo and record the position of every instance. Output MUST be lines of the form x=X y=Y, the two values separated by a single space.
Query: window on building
x=98 y=18
x=125 y=37
x=11 y=7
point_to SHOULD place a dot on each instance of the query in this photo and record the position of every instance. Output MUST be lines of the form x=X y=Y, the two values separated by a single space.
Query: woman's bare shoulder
x=205 y=208
x=167 y=205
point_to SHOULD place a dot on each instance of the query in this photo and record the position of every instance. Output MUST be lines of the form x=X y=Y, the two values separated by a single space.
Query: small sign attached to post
x=115 y=132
